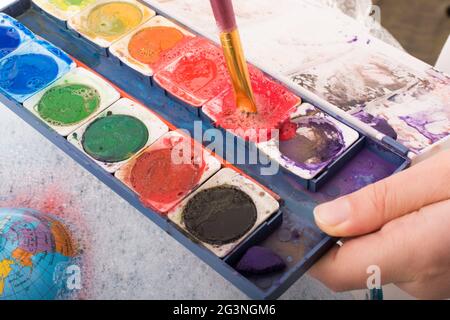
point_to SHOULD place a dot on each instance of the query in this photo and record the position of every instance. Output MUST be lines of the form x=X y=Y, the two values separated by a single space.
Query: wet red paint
x=198 y=76
x=160 y=181
x=274 y=102
x=288 y=130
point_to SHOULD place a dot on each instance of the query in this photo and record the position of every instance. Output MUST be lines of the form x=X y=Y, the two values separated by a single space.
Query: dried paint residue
x=220 y=215
x=113 y=19
x=166 y=175
x=148 y=45
x=274 y=102
x=114 y=138
x=71 y=4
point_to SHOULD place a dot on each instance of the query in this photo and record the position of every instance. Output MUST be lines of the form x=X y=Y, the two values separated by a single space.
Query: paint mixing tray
x=118 y=133
x=290 y=232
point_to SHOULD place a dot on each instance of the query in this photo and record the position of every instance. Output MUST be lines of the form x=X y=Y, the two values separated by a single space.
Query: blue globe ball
x=38 y=259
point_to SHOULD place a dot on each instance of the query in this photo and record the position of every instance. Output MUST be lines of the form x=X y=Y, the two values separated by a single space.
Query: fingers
x=369 y=209
x=412 y=250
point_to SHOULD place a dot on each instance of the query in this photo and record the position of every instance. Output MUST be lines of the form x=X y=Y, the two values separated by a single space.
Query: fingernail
x=333 y=213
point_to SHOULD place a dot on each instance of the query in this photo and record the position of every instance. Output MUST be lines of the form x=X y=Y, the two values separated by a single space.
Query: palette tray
x=289 y=232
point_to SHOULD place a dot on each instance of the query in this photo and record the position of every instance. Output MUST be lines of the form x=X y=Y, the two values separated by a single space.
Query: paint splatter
x=219 y=215
x=114 y=138
x=68 y=104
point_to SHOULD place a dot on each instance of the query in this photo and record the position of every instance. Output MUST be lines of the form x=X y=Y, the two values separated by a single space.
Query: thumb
x=370 y=208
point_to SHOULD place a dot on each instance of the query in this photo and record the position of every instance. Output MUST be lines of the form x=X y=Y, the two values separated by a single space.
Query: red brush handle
x=224 y=14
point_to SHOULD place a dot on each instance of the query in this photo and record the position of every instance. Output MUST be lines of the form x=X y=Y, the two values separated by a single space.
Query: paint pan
x=106 y=21
x=150 y=47
x=62 y=9
x=274 y=102
x=198 y=76
x=118 y=133
x=372 y=164
x=309 y=142
x=31 y=68
x=420 y=116
x=224 y=211
x=72 y=100
x=167 y=171
x=12 y=35
x=355 y=79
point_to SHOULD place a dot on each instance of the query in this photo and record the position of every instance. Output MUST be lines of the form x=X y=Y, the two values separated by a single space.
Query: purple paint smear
x=260 y=260
x=377 y=123
x=420 y=121
x=366 y=168
x=320 y=145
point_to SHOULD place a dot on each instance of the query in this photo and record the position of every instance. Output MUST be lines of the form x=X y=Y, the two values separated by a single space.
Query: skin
x=400 y=224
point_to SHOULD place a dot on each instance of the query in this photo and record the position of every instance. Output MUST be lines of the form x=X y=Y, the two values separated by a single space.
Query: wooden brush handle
x=224 y=14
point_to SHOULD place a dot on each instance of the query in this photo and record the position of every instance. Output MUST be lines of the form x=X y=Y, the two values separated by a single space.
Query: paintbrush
x=234 y=55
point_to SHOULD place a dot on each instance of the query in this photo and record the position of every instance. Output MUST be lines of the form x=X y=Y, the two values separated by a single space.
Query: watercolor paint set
x=126 y=101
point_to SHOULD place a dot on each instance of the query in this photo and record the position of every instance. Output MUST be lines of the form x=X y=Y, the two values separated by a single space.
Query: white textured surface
x=134 y=259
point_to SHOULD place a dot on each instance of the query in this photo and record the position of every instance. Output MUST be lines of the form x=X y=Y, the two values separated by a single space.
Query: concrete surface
x=132 y=257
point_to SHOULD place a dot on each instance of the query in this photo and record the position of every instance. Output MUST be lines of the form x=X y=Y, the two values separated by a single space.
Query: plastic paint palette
x=92 y=95
x=63 y=9
x=161 y=192
x=31 y=68
x=173 y=140
x=304 y=116
x=120 y=49
x=265 y=204
x=12 y=35
x=198 y=76
x=130 y=119
x=106 y=21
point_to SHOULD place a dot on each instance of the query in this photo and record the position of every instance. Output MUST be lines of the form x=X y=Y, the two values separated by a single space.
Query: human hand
x=400 y=224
